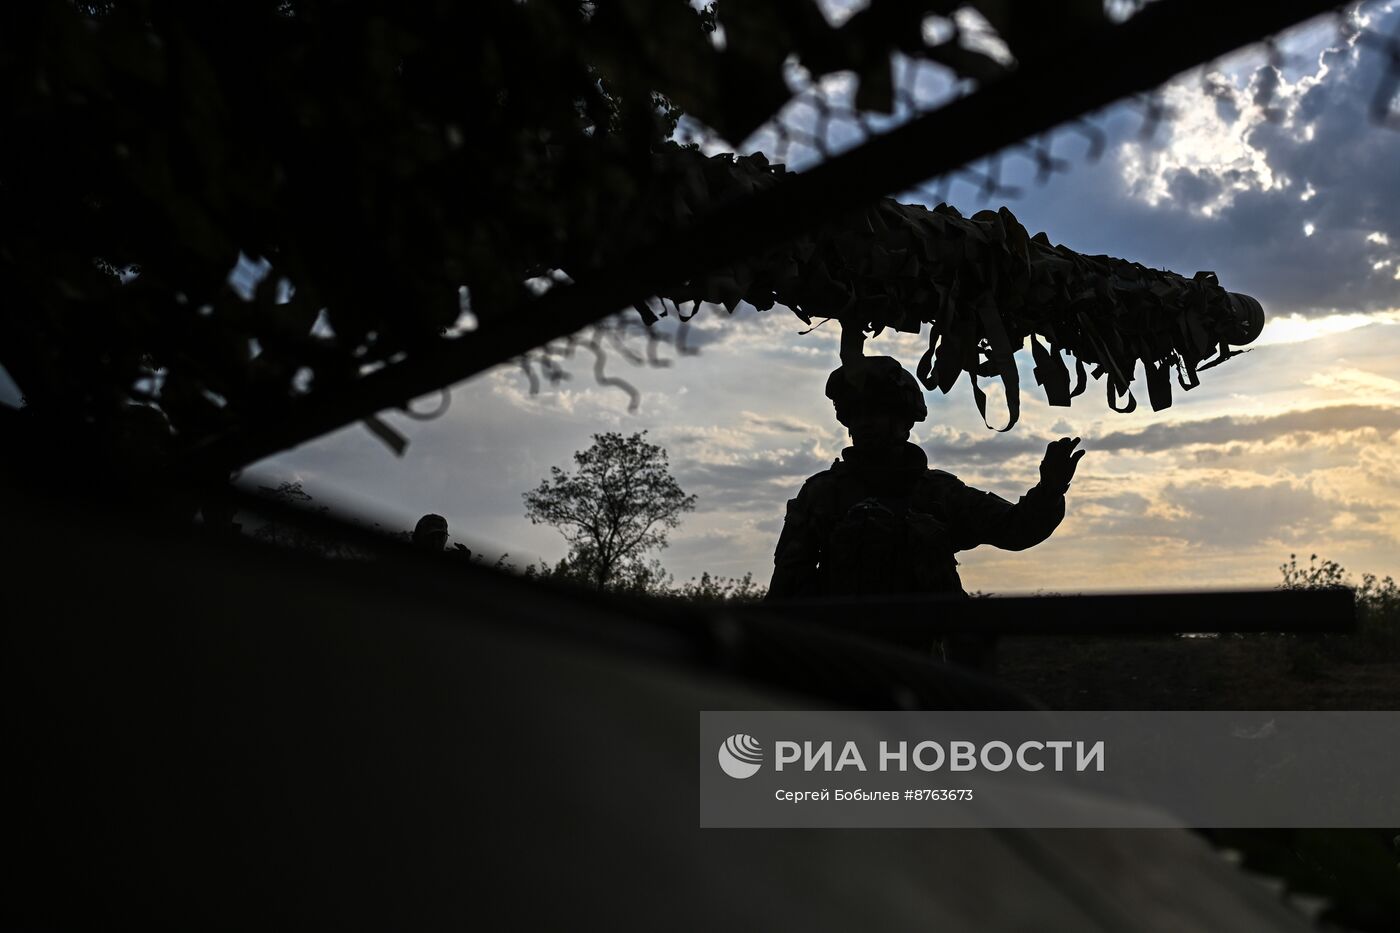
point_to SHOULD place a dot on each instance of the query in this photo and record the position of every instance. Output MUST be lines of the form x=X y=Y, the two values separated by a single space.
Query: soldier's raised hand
x=1057 y=469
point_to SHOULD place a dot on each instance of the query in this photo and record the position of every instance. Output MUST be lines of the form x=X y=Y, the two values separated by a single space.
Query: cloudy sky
x=1290 y=196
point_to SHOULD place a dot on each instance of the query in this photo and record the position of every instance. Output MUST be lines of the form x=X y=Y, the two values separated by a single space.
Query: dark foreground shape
x=215 y=736
x=915 y=619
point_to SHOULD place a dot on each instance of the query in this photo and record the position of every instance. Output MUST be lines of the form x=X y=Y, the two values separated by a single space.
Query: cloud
x=1322 y=161
x=752 y=481
x=778 y=424
x=1210 y=155
x=1212 y=515
x=1298 y=328
x=1329 y=419
x=947 y=447
x=1221 y=516
x=1287 y=176
x=1357 y=382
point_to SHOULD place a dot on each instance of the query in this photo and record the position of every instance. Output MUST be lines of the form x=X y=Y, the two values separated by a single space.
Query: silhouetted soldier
x=881 y=521
x=430 y=534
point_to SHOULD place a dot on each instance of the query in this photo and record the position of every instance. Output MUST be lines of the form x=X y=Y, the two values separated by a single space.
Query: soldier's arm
x=799 y=549
x=986 y=518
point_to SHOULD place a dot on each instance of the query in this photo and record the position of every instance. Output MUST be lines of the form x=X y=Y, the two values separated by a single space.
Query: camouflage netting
x=985 y=287
x=226 y=229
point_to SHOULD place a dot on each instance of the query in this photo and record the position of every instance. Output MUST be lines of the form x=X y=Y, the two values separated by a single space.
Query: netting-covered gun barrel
x=985 y=288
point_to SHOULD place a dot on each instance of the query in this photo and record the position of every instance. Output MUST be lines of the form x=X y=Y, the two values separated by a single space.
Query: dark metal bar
x=916 y=620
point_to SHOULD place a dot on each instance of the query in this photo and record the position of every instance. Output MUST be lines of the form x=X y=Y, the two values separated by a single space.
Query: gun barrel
x=982 y=286
x=1249 y=316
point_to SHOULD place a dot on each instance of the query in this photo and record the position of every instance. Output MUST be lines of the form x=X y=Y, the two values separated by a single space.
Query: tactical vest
x=883 y=530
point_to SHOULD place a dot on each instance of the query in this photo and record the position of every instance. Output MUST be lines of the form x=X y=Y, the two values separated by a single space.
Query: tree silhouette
x=616 y=506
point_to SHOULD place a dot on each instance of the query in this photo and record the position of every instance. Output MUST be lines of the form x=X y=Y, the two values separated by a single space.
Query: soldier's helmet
x=431 y=531
x=875 y=382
